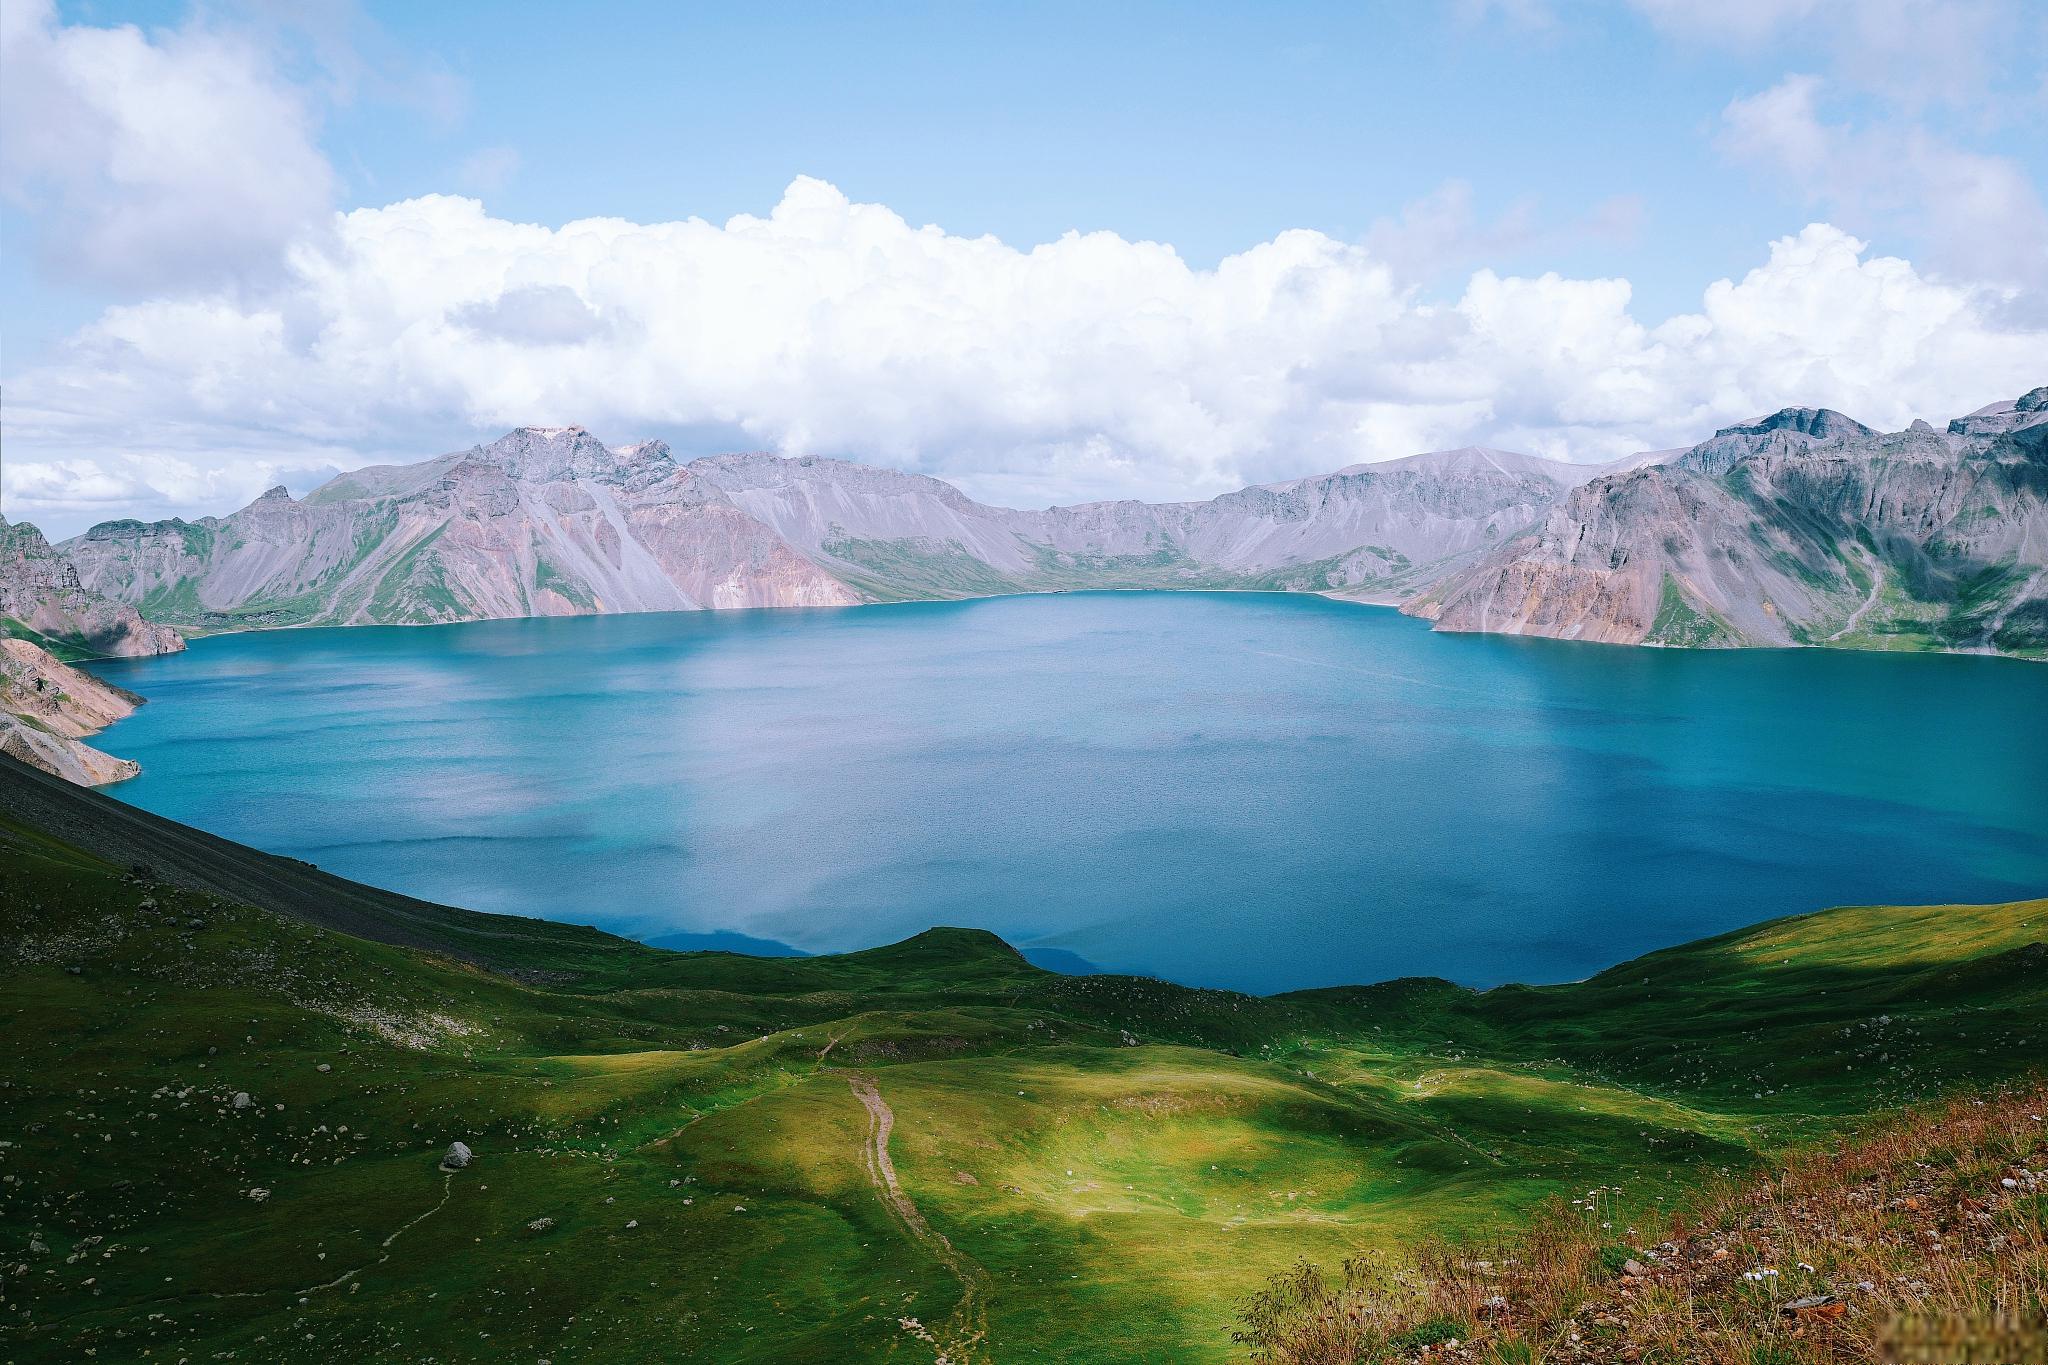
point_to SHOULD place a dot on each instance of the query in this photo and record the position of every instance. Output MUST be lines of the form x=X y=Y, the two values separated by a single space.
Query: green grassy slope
x=675 y=1161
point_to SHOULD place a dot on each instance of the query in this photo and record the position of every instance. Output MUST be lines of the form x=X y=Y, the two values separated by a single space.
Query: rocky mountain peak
x=1996 y=419
x=552 y=454
x=646 y=452
x=41 y=591
x=1823 y=424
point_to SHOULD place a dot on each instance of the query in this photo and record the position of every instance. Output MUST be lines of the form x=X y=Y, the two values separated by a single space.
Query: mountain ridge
x=1799 y=527
x=1802 y=528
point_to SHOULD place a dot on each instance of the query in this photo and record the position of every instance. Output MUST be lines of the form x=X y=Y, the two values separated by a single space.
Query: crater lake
x=1254 y=791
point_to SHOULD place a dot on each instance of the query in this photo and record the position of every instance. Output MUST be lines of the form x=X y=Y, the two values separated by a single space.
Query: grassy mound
x=227 y=1083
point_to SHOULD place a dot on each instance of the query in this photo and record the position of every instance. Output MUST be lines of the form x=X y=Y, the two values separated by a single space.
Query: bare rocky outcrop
x=543 y=522
x=1366 y=530
x=1803 y=528
x=42 y=599
x=550 y=521
x=46 y=709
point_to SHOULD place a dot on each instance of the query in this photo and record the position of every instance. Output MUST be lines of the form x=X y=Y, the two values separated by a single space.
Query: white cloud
x=1979 y=214
x=154 y=160
x=1086 y=367
x=1909 y=51
x=1443 y=230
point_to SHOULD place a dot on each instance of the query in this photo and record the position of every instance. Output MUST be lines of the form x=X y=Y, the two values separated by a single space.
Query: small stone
x=323 y=1067
x=242 y=1100
x=458 y=1156
x=1634 y=1267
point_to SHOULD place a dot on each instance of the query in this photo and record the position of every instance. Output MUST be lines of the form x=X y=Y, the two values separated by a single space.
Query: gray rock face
x=550 y=521
x=42 y=599
x=1366 y=530
x=1803 y=529
x=47 y=707
x=544 y=522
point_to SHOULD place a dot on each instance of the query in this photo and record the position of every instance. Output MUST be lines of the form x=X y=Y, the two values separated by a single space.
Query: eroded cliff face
x=1803 y=528
x=42 y=599
x=543 y=522
x=47 y=707
x=1368 y=528
x=552 y=522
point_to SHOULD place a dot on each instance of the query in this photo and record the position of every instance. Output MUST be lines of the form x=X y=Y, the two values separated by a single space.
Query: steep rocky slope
x=47 y=707
x=1803 y=528
x=543 y=522
x=552 y=522
x=1365 y=529
x=41 y=600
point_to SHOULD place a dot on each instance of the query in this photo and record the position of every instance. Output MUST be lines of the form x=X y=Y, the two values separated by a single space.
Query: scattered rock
x=242 y=1101
x=1634 y=1267
x=458 y=1156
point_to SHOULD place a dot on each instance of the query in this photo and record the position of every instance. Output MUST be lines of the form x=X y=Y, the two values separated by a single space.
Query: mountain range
x=1805 y=527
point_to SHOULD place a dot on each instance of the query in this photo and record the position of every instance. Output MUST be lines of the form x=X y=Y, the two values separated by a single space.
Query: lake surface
x=1255 y=791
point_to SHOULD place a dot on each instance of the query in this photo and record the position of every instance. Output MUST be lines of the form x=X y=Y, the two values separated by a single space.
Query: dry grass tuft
x=1920 y=1240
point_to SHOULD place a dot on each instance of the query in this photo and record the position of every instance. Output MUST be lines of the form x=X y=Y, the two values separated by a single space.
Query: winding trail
x=1876 y=591
x=964 y=1337
x=447 y=1189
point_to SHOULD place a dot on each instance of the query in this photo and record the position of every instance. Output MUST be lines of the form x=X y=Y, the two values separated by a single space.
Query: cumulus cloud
x=1980 y=214
x=154 y=160
x=1442 y=229
x=1090 y=366
x=532 y=314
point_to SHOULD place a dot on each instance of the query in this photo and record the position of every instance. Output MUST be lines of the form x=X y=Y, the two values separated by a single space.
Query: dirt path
x=1876 y=591
x=963 y=1337
x=447 y=1189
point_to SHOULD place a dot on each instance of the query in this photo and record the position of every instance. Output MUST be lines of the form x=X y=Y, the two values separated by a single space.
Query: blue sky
x=1668 y=145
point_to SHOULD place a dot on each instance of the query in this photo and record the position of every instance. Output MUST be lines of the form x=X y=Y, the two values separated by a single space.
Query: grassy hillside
x=930 y=1150
x=1918 y=1238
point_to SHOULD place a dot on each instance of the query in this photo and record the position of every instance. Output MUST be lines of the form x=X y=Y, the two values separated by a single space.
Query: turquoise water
x=1254 y=791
